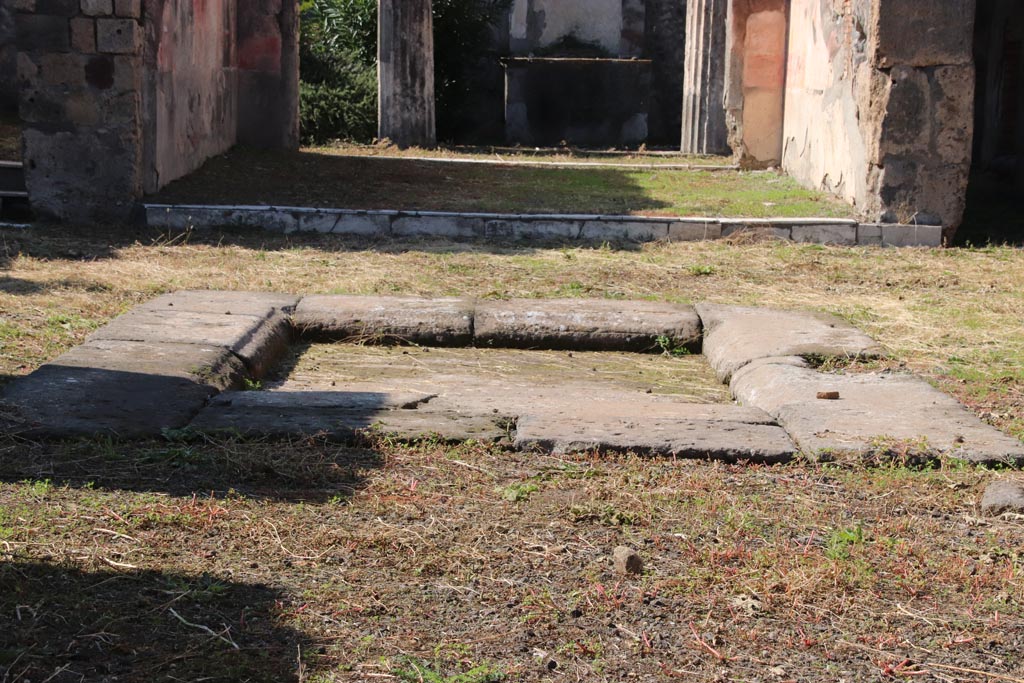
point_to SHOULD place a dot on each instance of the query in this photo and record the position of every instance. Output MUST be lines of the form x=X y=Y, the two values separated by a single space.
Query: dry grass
x=430 y=562
x=324 y=178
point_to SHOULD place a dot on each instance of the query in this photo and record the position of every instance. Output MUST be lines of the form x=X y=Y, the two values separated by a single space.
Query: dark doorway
x=995 y=196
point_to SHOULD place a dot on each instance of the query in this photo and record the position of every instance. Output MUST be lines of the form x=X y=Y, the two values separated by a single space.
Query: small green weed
x=702 y=270
x=518 y=493
x=841 y=540
x=670 y=347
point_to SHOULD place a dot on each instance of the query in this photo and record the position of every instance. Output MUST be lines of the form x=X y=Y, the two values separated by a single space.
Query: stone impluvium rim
x=178 y=362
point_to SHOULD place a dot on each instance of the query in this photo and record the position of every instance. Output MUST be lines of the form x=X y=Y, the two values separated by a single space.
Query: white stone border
x=587 y=227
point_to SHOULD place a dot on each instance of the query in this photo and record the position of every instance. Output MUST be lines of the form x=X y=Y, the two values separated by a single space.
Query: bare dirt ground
x=246 y=560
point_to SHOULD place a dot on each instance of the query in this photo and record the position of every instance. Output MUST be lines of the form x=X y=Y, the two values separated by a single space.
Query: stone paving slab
x=723 y=438
x=737 y=335
x=257 y=340
x=871 y=407
x=341 y=414
x=585 y=324
x=259 y=304
x=441 y=322
x=126 y=388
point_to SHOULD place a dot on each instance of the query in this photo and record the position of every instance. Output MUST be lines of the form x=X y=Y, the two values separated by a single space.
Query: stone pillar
x=268 y=73
x=80 y=81
x=405 y=73
x=704 y=129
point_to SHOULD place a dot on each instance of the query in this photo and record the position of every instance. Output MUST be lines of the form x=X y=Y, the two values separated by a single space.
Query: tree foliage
x=338 y=52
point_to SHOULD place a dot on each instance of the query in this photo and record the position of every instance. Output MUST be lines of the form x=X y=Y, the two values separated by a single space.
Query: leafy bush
x=338 y=51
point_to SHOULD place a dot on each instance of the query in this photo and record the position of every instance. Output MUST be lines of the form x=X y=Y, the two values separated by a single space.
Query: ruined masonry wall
x=879 y=104
x=120 y=97
x=80 y=76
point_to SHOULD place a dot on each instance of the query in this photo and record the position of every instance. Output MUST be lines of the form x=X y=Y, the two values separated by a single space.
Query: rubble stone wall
x=879 y=105
x=120 y=97
x=80 y=74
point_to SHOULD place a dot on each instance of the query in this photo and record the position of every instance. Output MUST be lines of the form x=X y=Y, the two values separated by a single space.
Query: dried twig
x=205 y=629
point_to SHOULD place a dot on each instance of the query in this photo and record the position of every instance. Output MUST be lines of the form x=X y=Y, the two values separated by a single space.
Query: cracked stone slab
x=871 y=406
x=442 y=322
x=341 y=414
x=736 y=335
x=126 y=388
x=728 y=433
x=256 y=327
x=585 y=324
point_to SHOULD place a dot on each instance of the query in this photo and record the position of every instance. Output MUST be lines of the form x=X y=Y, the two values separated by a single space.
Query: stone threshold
x=562 y=227
x=181 y=360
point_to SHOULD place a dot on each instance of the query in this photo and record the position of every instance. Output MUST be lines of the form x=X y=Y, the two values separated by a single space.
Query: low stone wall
x=560 y=227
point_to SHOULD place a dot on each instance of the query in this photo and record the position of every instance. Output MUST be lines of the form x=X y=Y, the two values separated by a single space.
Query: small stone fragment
x=1003 y=496
x=828 y=395
x=627 y=560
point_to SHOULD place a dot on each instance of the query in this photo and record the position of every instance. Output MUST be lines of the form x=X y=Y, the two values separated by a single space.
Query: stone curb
x=564 y=227
x=162 y=363
x=552 y=164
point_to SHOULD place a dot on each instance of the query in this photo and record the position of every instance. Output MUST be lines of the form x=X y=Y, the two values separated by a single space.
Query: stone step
x=873 y=412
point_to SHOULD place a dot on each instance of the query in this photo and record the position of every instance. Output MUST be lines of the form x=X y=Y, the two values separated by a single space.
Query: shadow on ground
x=995 y=212
x=66 y=625
x=246 y=176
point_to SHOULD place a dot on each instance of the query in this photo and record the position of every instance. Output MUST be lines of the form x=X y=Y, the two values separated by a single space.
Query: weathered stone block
x=63 y=8
x=125 y=388
x=444 y=322
x=61 y=68
x=694 y=231
x=737 y=335
x=23 y=5
x=97 y=8
x=872 y=406
x=630 y=231
x=912 y=235
x=43 y=33
x=437 y=226
x=128 y=8
x=83 y=35
x=825 y=234
x=869 y=234
x=590 y=324
x=118 y=36
x=923 y=32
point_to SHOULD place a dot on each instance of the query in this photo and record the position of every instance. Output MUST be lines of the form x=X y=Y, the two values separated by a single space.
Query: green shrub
x=337 y=56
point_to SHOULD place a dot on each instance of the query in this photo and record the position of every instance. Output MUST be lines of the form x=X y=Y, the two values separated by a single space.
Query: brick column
x=80 y=80
x=704 y=129
x=405 y=72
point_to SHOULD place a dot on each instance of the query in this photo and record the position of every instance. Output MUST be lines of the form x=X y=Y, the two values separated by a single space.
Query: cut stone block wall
x=879 y=104
x=80 y=74
x=119 y=97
